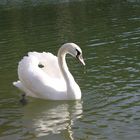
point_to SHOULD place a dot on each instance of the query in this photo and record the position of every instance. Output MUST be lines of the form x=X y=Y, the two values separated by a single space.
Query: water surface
x=109 y=35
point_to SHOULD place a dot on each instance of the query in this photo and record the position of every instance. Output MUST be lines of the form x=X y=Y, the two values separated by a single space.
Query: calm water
x=109 y=35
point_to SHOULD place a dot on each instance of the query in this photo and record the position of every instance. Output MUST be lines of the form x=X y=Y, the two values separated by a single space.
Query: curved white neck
x=64 y=68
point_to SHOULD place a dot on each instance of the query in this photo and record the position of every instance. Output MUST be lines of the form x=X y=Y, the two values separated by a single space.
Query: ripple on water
x=110 y=86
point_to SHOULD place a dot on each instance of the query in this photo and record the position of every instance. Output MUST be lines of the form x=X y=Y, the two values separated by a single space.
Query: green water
x=109 y=34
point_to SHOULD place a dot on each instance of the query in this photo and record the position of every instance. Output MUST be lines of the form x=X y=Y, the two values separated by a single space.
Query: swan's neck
x=73 y=90
x=64 y=69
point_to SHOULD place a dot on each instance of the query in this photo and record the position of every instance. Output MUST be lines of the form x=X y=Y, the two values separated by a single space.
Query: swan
x=46 y=76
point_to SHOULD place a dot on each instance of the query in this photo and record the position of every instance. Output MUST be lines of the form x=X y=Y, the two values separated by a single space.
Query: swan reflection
x=52 y=118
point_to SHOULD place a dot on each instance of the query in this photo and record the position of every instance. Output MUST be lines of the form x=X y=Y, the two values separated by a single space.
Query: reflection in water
x=52 y=118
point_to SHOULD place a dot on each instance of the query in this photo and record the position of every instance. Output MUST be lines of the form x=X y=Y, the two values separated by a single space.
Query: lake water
x=109 y=34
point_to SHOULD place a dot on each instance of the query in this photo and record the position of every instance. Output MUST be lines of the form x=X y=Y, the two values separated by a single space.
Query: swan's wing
x=46 y=80
x=47 y=62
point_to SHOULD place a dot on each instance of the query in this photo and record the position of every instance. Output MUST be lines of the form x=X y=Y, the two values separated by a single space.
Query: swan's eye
x=78 y=52
x=40 y=66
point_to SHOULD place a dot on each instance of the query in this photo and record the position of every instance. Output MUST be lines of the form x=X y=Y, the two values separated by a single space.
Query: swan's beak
x=81 y=60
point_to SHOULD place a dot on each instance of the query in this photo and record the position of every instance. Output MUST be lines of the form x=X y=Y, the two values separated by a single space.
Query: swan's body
x=43 y=75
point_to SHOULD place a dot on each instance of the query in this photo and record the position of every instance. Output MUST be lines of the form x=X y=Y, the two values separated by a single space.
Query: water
x=109 y=35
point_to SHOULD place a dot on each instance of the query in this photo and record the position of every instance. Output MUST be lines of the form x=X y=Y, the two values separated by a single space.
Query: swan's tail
x=21 y=87
x=17 y=84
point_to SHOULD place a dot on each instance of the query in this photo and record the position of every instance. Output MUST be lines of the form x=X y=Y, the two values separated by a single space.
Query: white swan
x=43 y=75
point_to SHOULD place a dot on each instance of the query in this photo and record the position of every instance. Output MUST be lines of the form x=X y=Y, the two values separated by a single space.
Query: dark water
x=109 y=35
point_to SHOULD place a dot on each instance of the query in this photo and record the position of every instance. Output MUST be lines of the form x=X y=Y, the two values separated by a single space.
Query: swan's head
x=74 y=50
